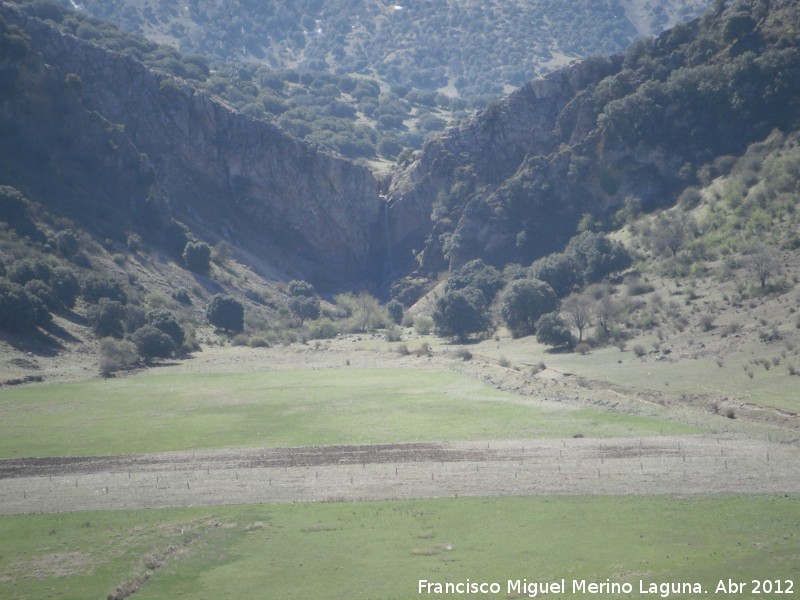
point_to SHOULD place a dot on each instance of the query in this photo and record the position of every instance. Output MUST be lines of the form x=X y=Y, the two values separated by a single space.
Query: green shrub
x=322 y=329
x=393 y=334
x=558 y=270
x=135 y=317
x=67 y=243
x=96 y=287
x=423 y=350
x=153 y=343
x=225 y=312
x=297 y=287
x=476 y=274
x=424 y=325
x=182 y=296
x=14 y=210
x=258 y=341
x=65 y=285
x=176 y=236
x=44 y=293
x=116 y=355
x=106 y=317
x=304 y=307
x=524 y=302
x=240 y=339
x=197 y=257
x=28 y=269
x=166 y=322
x=19 y=310
x=597 y=256
x=134 y=242
x=395 y=310
x=461 y=312
x=553 y=331
x=464 y=354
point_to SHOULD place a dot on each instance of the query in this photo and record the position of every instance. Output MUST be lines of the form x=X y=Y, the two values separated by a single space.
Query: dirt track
x=684 y=465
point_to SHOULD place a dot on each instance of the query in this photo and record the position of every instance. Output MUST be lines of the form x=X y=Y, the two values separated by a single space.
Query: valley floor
x=755 y=455
x=304 y=471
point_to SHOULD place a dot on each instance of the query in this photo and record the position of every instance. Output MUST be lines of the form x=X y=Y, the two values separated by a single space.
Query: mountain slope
x=365 y=79
x=512 y=183
x=227 y=175
x=474 y=47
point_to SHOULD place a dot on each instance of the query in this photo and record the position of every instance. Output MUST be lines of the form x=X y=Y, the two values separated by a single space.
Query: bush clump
x=20 y=310
x=153 y=343
x=106 y=318
x=116 y=355
x=225 y=312
x=165 y=321
x=197 y=257
x=553 y=331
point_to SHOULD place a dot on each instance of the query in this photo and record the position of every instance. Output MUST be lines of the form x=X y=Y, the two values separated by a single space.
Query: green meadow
x=381 y=549
x=772 y=388
x=163 y=412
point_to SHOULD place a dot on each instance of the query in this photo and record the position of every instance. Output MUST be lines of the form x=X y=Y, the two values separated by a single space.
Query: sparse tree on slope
x=579 y=310
x=763 y=264
x=304 y=307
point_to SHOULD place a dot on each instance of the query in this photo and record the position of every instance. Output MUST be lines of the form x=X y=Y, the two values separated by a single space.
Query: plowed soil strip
x=683 y=465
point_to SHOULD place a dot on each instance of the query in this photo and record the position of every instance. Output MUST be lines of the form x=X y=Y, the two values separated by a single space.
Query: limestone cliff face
x=224 y=172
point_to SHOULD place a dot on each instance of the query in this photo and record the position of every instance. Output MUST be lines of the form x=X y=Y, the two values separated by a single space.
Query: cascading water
x=387 y=240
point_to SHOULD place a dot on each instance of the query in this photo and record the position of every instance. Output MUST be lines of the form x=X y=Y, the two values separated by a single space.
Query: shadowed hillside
x=191 y=157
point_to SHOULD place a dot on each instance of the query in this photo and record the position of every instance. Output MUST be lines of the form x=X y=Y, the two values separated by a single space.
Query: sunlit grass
x=382 y=549
x=149 y=413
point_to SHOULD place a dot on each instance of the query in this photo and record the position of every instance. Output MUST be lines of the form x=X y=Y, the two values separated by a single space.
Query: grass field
x=381 y=549
x=152 y=413
x=773 y=388
x=728 y=378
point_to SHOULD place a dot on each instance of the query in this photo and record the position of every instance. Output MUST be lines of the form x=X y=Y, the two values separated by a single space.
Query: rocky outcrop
x=476 y=157
x=223 y=172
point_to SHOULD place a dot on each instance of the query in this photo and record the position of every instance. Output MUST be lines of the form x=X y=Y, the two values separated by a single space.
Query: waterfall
x=387 y=237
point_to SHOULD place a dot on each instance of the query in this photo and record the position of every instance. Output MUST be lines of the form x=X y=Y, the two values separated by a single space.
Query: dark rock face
x=223 y=172
x=495 y=144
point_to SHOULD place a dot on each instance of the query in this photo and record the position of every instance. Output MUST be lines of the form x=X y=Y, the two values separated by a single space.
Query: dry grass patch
x=319 y=527
x=56 y=564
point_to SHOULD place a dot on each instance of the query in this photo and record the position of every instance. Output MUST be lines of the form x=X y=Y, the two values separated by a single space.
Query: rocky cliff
x=225 y=173
x=474 y=159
